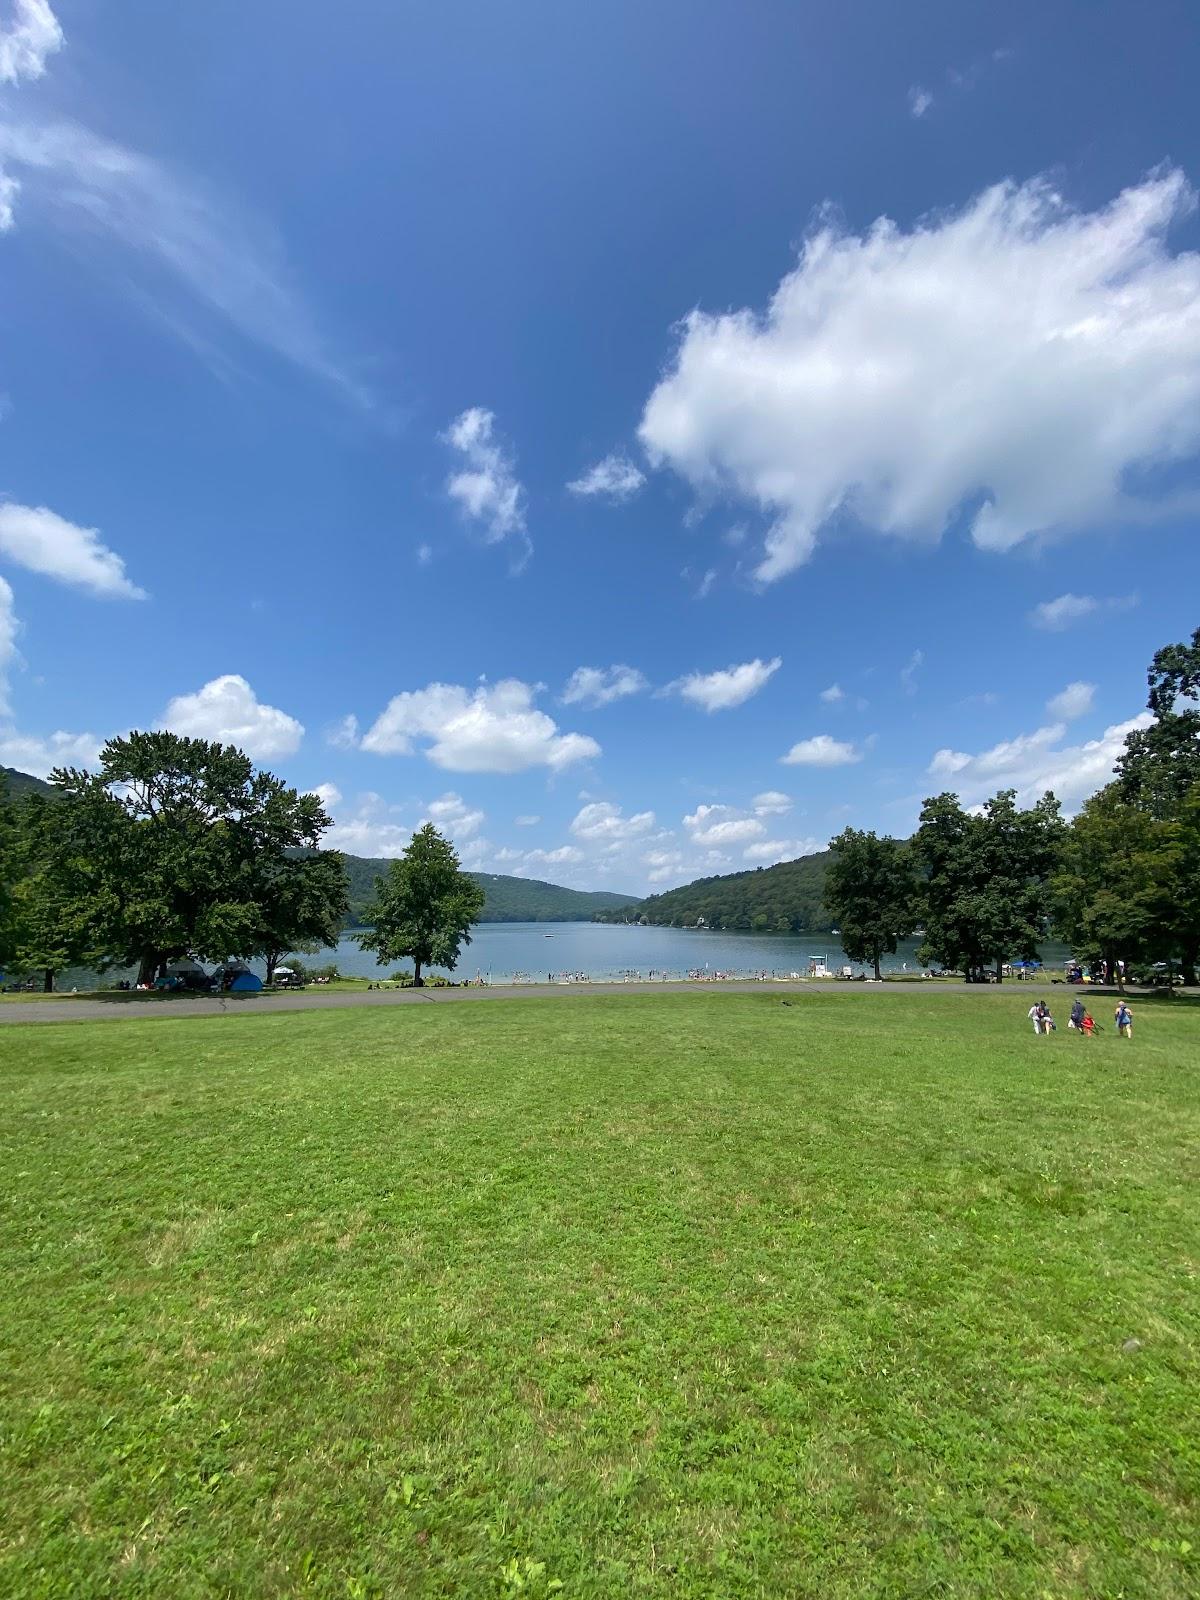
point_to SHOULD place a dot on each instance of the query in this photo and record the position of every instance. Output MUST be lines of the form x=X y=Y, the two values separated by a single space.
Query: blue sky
x=642 y=438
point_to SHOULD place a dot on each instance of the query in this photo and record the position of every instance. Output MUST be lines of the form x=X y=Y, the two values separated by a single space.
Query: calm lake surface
x=503 y=951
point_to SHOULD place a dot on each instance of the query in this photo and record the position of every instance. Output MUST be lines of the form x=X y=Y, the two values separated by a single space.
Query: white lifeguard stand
x=818 y=967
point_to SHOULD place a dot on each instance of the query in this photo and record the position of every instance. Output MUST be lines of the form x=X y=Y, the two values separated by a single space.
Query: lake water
x=503 y=951
x=506 y=951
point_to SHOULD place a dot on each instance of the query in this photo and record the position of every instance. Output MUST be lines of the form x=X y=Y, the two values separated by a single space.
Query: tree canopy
x=871 y=892
x=424 y=906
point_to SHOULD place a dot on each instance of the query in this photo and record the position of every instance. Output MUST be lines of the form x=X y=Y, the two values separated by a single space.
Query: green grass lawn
x=699 y=1295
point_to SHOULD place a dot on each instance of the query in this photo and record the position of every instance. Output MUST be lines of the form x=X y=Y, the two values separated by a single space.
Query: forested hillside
x=16 y=784
x=788 y=898
x=507 y=899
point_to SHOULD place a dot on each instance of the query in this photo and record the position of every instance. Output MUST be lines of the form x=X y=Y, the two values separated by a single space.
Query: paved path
x=82 y=1009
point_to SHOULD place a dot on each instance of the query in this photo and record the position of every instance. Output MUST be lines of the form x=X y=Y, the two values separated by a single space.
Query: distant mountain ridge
x=505 y=899
x=786 y=898
x=19 y=784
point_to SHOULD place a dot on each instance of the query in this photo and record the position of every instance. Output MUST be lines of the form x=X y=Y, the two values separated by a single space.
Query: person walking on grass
x=1076 y=1018
x=1039 y=1015
x=1123 y=1017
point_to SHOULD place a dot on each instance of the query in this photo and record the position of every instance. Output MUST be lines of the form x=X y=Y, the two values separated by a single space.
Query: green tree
x=424 y=906
x=183 y=837
x=871 y=893
x=303 y=904
x=56 y=919
x=987 y=873
x=1113 y=892
x=1160 y=765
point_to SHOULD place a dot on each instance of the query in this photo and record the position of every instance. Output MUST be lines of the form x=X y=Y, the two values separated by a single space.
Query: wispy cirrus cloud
x=33 y=35
x=616 y=478
x=184 y=251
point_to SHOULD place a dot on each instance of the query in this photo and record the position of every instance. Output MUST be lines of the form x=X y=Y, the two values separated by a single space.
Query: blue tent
x=245 y=983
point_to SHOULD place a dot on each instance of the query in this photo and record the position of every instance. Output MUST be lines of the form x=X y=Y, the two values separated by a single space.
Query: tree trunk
x=878 y=974
x=1187 y=965
x=147 y=967
x=48 y=981
x=999 y=969
x=418 y=981
x=272 y=963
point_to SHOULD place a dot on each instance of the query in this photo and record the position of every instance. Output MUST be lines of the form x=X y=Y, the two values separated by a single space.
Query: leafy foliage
x=424 y=907
x=871 y=890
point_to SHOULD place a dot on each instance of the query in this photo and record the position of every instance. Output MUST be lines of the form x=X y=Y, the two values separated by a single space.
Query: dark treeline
x=788 y=898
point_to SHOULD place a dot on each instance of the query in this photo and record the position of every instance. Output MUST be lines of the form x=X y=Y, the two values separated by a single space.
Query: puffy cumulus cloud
x=833 y=695
x=328 y=794
x=486 y=488
x=600 y=686
x=343 y=734
x=1016 y=359
x=227 y=709
x=39 y=756
x=494 y=728
x=1034 y=762
x=766 y=852
x=42 y=541
x=1061 y=613
x=602 y=822
x=732 y=686
x=30 y=38
x=718 y=827
x=771 y=803
x=1074 y=701
x=821 y=751
x=451 y=814
x=616 y=477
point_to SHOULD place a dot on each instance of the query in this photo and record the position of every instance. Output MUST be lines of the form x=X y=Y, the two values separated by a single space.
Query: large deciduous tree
x=870 y=891
x=424 y=906
x=303 y=904
x=986 y=879
x=188 y=847
x=1160 y=764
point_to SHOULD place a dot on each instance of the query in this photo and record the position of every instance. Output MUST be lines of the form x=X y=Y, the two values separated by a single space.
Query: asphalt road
x=83 y=1009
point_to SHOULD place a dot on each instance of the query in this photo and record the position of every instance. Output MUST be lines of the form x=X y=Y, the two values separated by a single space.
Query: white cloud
x=1073 y=701
x=9 y=627
x=182 y=248
x=833 y=695
x=33 y=34
x=343 y=735
x=10 y=188
x=717 y=827
x=1034 y=762
x=721 y=691
x=1054 y=615
x=328 y=794
x=226 y=709
x=424 y=554
x=768 y=851
x=919 y=100
x=527 y=822
x=44 y=542
x=616 y=476
x=821 y=751
x=38 y=756
x=605 y=823
x=908 y=673
x=451 y=814
x=600 y=686
x=494 y=728
x=1015 y=361
x=487 y=489
x=564 y=855
x=771 y=803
